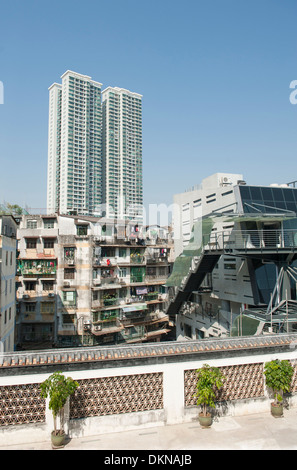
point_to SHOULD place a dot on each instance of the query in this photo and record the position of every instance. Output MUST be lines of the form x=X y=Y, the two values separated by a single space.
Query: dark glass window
x=268 y=200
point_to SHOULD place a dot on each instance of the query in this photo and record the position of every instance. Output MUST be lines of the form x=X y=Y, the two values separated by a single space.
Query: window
x=48 y=285
x=82 y=230
x=29 y=285
x=49 y=223
x=48 y=243
x=47 y=307
x=30 y=307
x=69 y=253
x=122 y=272
x=69 y=273
x=229 y=265
x=68 y=318
x=31 y=243
x=69 y=298
x=31 y=223
x=122 y=252
x=95 y=295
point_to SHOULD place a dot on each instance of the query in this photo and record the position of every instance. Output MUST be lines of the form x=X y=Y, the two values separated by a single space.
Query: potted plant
x=209 y=380
x=58 y=388
x=278 y=375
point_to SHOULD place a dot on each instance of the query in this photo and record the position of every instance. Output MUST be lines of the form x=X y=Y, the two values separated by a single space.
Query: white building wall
x=7 y=283
x=53 y=152
x=173 y=411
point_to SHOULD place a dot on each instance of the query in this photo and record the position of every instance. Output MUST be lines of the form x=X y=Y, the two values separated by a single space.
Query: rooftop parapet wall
x=150 y=353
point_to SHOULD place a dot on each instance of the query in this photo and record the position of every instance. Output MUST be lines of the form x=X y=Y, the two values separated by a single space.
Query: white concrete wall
x=173 y=412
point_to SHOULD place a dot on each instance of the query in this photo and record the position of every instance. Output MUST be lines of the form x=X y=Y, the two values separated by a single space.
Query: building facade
x=122 y=152
x=75 y=147
x=94 y=149
x=235 y=270
x=86 y=281
x=8 y=249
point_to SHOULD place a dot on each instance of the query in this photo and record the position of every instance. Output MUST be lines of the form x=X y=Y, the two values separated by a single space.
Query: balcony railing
x=251 y=239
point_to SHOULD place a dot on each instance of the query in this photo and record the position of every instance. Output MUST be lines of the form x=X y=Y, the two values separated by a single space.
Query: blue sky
x=214 y=75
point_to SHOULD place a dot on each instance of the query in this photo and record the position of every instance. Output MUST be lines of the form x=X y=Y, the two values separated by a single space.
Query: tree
x=209 y=379
x=13 y=209
x=278 y=376
x=58 y=388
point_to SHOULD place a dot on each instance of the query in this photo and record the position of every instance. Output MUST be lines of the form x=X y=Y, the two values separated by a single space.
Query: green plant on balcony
x=58 y=388
x=209 y=380
x=109 y=299
x=278 y=375
x=136 y=257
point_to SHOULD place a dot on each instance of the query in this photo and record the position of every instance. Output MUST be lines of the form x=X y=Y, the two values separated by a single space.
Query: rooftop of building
x=100 y=355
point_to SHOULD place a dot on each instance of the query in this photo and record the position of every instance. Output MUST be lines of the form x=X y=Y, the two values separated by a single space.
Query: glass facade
x=268 y=200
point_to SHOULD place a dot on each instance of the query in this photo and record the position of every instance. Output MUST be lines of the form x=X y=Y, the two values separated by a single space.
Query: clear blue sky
x=214 y=76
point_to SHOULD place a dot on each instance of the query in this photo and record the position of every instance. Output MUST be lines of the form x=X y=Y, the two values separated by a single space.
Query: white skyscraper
x=94 y=149
x=75 y=145
x=122 y=151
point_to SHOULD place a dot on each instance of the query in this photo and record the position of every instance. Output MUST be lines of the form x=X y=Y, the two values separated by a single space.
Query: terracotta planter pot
x=205 y=421
x=57 y=440
x=277 y=410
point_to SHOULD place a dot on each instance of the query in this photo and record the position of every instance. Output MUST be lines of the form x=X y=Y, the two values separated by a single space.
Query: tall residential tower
x=122 y=152
x=75 y=147
x=94 y=149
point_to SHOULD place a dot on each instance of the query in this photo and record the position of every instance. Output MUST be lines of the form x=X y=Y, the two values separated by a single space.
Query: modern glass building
x=237 y=271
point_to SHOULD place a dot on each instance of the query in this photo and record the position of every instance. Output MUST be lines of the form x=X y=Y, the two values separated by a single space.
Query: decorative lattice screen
x=21 y=404
x=114 y=395
x=241 y=381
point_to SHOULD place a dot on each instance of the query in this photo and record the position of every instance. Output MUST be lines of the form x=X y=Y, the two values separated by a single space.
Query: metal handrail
x=250 y=239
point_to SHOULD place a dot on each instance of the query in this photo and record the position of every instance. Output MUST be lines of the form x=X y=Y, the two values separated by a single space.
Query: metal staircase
x=202 y=266
x=271 y=245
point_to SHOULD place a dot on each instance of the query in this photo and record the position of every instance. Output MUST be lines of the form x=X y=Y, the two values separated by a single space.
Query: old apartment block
x=86 y=281
x=8 y=228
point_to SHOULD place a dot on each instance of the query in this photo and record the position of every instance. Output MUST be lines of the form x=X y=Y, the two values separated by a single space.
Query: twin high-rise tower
x=94 y=149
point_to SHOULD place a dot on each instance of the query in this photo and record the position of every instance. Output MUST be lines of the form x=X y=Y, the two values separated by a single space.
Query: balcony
x=109 y=280
x=275 y=240
x=110 y=302
x=41 y=272
x=137 y=258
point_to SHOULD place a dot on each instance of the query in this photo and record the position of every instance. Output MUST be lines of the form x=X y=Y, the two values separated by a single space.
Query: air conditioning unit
x=25 y=296
x=70 y=262
x=51 y=294
x=225 y=180
x=66 y=284
x=98 y=328
x=87 y=325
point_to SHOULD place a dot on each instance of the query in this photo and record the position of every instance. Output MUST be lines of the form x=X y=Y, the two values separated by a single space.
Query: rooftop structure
x=240 y=257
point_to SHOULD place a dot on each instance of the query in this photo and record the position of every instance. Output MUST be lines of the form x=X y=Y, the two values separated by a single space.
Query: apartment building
x=8 y=247
x=37 y=281
x=235 y=267
x=94 y=149
x=86 y=281
x=74 y=145
x=122 y=152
